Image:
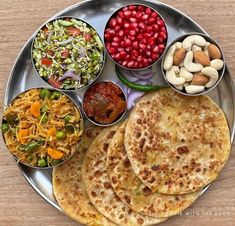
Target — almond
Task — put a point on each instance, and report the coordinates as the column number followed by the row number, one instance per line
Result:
column 214, row 52
column 201, row 58
column 199, row 79
column 179, row 56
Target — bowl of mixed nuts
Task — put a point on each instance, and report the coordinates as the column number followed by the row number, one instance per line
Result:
column 193, row 64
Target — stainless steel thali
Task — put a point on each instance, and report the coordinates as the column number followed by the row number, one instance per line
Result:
column 23, row 75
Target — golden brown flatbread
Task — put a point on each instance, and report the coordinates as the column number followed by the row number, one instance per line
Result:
column 69, row 188
column 132, row 191
column 99, row 188
column 176, row 144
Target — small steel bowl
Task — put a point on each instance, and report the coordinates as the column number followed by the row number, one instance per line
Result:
column 81, row 124
column 143, row 68
column 100, row 124
column 33, row 62
column 180, row 39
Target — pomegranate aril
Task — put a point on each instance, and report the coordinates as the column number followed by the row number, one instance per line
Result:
column 124, row 8
column 121, row 14
column 133, row 20
column 113, row 23
column 154, row 15
column 108, row 45
column 123, row 54
column 128, row 49
column 133, row 25
column 119, row 20
column 128, row 57
column 145, row 62
column 132, row 38
column 160, row 40
column 144, row 41
column 126, row 25
column 117, row 28
column 155, row 36
column 142, row 25
column 140, row 65
column 148, row 11
column 107, row 36
column 116, row 39
column 142, row 46
column 156, row 49
column 155, row 27
column 123, row 44
column 138, row 15
column 141, row 8
column 130, row 64
column 124, row 64
column 135, row 45
column 160, row 23
column 135, row 65
column 147, row 35
column 132, row 32
column 163, row 29
column 134, row 53
column 117, row 56
column 126, row 31
column 134, row 13
column 120, row 49
column 139, row 58
column 127, row 14
column 149, row 29
column 149, row 47
column 151, row 41
column 155, row 56
column 115, row 44
column 152, row 20
column 132, row 7
column 140, row 37
column 162, row 35
column 121, row 33
column 161, row 47
column 148, row 53
column 145, row 17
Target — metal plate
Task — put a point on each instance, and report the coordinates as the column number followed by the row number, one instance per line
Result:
column 23, row 75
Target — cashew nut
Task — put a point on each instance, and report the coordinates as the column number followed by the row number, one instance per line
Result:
column 196, row 48
column 172, row 78
column 206, row 49
column 189, row 65
column 192, row 89
column 185, row 74
column 170, row 55
column 212, row 73
column 217, row 64
column 179, row 87
column 193, row 39
column 169, row 58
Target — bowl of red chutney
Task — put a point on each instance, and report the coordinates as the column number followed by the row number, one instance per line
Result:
column 104, row 103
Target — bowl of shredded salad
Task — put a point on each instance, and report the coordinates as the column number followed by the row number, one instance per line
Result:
column 68, row 53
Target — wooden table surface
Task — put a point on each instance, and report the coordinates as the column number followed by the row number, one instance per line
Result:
column 19, row 204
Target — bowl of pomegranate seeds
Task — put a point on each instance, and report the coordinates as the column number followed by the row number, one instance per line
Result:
column 135, row 36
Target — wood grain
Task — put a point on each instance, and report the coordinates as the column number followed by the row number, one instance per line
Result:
column 19, row 204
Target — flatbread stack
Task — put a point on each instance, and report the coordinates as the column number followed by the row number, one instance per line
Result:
column 149, row 167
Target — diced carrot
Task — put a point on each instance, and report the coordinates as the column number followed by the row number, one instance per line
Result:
column 35, row 109
column 73, row 31
column 54, row 153
column 22, row 134
column 52, row 131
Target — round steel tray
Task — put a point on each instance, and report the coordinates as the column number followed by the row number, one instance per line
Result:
column 23, row 75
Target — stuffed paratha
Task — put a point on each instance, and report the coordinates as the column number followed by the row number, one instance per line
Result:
column 176, row 144
column 69, row 189
column 99, row 188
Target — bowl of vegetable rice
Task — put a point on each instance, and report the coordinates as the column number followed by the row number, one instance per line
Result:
column 68, row 53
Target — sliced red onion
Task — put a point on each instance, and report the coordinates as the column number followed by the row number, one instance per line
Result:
column 70, row 74
column 130, row 77
column 132, row 98
column 142, row 76
column 66, row 41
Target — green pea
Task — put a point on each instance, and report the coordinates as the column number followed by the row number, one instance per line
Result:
column 5, row 127
column 42, row 162
column 67, row 118
column 44, row 93
column 44, row 118
column 60, row 134
column 55, row 95
column 30, row 158
column 44, row 109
